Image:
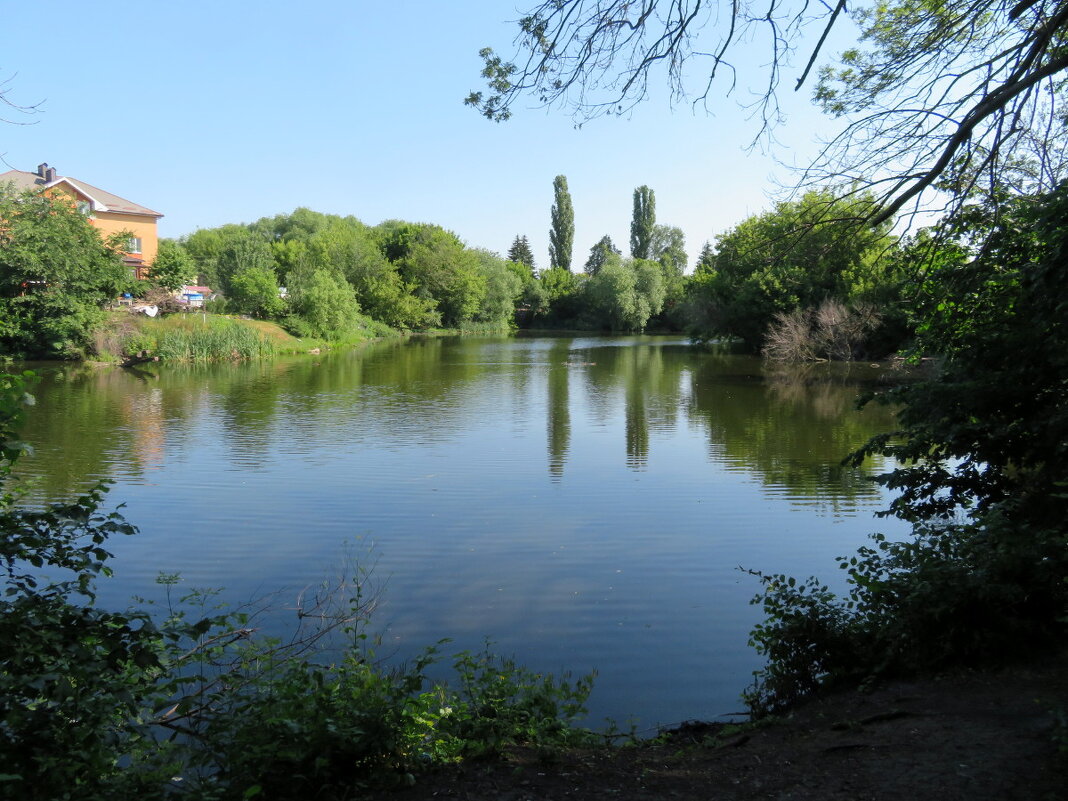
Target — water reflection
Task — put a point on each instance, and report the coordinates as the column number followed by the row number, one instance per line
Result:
column 582, row 500
column 789, row 429
column 558, row 423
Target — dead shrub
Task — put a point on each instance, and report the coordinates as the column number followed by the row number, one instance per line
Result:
column 833, row 331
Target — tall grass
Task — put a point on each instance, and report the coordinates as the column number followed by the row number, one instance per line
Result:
column 202, row 338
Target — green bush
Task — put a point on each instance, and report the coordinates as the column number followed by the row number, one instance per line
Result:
column 139, row 341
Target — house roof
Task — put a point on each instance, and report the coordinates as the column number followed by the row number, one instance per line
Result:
column 101, row 200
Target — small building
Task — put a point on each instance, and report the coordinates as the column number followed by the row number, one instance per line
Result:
column 194, row 295
column 108, row 212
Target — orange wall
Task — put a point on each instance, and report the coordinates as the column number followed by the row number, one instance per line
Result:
column 136, row 224
column 111, row 223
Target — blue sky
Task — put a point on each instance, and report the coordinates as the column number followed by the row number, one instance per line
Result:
column 229, row 111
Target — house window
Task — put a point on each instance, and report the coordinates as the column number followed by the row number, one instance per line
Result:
column 134, row 245
column 85, row 207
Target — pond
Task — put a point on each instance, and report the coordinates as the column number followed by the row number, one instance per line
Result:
column 584, row 502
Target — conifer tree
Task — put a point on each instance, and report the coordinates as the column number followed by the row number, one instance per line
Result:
column 562, row 233
column 520, row 252
column 599, row 253
column 707, row 257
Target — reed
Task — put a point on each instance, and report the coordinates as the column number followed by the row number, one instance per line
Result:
column 203, row 338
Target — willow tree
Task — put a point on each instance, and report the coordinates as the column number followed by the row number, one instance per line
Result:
column 562, row 233
column 957, row 95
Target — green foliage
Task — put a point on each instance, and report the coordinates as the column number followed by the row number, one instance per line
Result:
column 623, row 295
column 56, row 275
column 599, row 254
column 643, row 223
column 221, row 252
column 499, row 703
column 324, row 300
column 520, row 253
column 173, row 267
column 983, row 479
column 401, row 274
column 796, row 256
column 992, row 427
column 347, row 246
column 70, row 674
column 562, row 231
column 668, row 246
column 254, row 291
column 503, row 287
column 435, row 262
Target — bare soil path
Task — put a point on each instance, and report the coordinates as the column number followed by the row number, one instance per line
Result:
column 966, row 737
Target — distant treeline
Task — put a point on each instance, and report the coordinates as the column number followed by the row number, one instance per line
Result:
column 806, row 280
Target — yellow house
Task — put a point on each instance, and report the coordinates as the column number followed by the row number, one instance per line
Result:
column 108, row 212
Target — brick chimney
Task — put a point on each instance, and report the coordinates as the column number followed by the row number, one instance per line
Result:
column 48, row 174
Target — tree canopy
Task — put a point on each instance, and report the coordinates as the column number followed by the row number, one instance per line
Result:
column 599, row 254
column 562, row 232
column 56, row 275
column 520, row 252
column 642, row 223
column 791, row 257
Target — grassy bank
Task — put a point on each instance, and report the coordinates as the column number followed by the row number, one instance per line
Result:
column 211, row 337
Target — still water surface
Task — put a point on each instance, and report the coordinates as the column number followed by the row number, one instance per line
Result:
column 585, row 502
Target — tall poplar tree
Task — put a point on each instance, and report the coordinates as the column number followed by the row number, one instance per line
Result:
column 643, row 223
column 562, row 233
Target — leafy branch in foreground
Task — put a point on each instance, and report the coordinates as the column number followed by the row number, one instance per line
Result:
column 959, row 96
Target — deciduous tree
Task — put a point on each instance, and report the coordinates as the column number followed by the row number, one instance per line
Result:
column 56, row 275
column 642, row 223
column 562, row 232
column 173, row 267
column 795, row 256
column 599, row 254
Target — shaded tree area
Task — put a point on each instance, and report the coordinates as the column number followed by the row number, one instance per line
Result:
column 980, row 446
column 56, row 276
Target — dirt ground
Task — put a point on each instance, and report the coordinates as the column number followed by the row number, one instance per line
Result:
column 974, row 736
